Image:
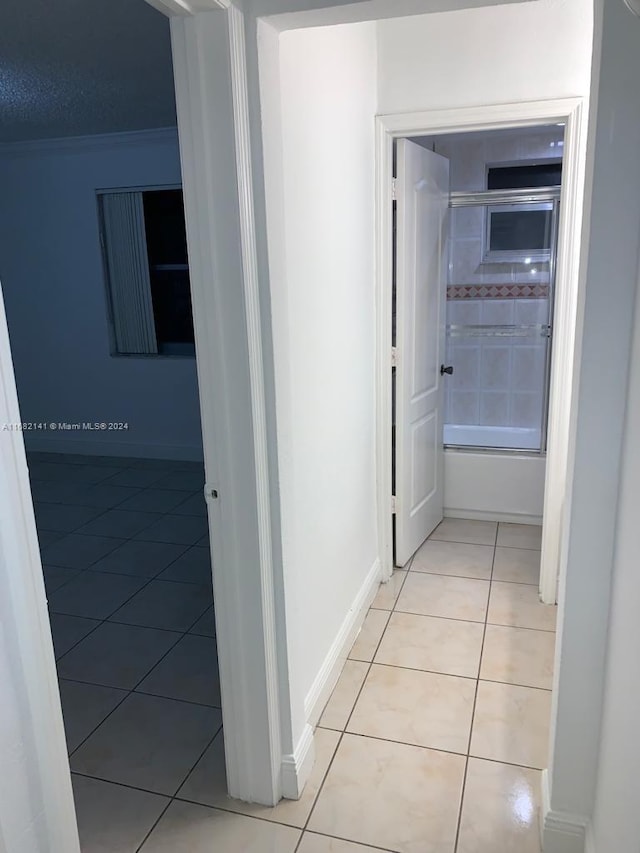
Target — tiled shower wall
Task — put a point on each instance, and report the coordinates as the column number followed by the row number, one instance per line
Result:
column 497, row 381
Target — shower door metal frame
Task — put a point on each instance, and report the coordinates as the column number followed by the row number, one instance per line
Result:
column 532, row 195
column 571, row 113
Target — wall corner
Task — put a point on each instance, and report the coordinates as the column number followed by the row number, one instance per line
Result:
column 297, row 767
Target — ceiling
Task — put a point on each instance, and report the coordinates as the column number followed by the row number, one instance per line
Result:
column 76, row 67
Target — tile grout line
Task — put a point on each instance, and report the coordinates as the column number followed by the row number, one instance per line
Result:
column 134, row 538
column 111, row 613
column 453, row 674
column 473, row 710
column 128, row 693
column 127, row 575
column 123, row 541
column 371, row 663
column 174, row 796
column 107, row 620
column 418, row 572
column 344, row 730
column 477, row 679
column 138, row 683
column 139, row 692
column 118, row 504
column 348, row 841
column 117, row 507
column 77, row 531
column 432, row 749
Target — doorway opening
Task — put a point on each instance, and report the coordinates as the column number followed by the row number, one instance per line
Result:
column 119, row 506
column 475, row 256
column 95, row 279
column 546, row 473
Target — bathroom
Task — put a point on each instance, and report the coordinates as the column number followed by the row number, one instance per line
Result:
column 502, row 235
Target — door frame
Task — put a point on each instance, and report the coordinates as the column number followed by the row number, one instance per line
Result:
column 571, row 112
column 26, row 634
column 210, row 77
column 262, row 766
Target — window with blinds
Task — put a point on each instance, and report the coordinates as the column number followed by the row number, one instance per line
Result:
column 147, row 272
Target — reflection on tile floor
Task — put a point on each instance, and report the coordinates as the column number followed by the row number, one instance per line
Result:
column 444, row 704
column 432, row 741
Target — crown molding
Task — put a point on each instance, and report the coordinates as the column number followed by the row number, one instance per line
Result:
column 91, row 142
column 186, row 8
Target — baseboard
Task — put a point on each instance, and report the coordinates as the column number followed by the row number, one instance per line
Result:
column 59, row 443
column 481, row 515
column 589, row 841
column 562, row 832
column 545, row 801
column 326, row 679
column 297, row 767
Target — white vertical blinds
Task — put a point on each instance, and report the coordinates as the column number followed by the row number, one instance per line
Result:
column 128, row 272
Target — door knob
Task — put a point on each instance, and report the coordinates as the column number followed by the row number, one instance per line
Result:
column 448, row 369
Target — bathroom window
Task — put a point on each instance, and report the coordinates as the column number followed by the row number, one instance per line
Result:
column 514, row 231
column 524, row 176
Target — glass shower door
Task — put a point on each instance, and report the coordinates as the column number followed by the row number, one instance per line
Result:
column 498, row 336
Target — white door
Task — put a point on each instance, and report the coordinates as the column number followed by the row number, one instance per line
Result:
column 422, row 192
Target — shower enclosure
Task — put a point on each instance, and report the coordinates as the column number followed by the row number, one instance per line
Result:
column 502, row 259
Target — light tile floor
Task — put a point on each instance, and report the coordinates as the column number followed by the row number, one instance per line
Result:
column 415, row 752
column 432, row 741
column 443, row 706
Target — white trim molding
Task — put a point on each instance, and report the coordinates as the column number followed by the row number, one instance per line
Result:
column 562, row 832
column 185, row 8
column 297, row 767
column 329, row 672
column 36, row 808
column 209, row 62
column 565, row 325
column 568, row 111
column 481, row 515
column 238, row 57
column 93, row 142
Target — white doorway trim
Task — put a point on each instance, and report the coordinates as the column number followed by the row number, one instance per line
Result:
column 260, row 768
column 490, row 117
column 40, row 810
column 211, row 95
column 36, row 806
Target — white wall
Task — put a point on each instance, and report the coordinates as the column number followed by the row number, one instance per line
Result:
column 616, row 819
column 501, row 54
column 601, row 542
column 52, row 274
column 319, row 158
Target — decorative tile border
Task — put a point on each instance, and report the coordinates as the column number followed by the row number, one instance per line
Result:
column 498, row 291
